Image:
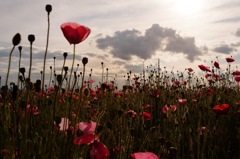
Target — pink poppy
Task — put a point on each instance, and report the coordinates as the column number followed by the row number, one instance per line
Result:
column 230, row 59
column 131, row 113
column 75, row 33
column 87, row 127
column 182, row 101
column 165, row 109
column 88, row 135
column 99, row 151
column 144, row 155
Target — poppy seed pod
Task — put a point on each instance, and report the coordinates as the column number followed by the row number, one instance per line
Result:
column 48, row 8
column 85, row 61
column 31, row 38
column 22, row 70
column 16, row 39
column 20, row 48
column 65, row 68
column 65, row 55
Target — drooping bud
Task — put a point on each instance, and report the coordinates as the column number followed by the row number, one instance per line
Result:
column 16, row 39
column 31, row 38
column 85, row 61
column 48, row 8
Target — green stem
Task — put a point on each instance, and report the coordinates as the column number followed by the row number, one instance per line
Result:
column 69, row 82
column 45, row 55
column 9, row 65
column 30, row 65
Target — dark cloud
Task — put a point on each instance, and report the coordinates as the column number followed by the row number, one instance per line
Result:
column 228, row 20
column 128, row 43
column 237, row 33
column 235, row 44
column 224, row 48
column 37, row 53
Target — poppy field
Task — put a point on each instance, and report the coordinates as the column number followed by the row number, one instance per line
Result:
column 156, row 115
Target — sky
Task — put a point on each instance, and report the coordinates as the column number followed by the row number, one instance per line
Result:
column 126, row 35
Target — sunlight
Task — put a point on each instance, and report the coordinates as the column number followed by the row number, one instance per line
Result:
column 188, row 7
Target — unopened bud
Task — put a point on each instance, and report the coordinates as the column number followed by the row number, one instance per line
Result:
column 85, row 61
column 48, row 8
column 31, row 38
column 16, row 39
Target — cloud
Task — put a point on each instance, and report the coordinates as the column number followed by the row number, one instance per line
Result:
column 237, row 33
column 224, row 48
column 228, row 20
column 128, row 43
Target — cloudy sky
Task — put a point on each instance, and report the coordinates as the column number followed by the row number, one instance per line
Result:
column 124, row 34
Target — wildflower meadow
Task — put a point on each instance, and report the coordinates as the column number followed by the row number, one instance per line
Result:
column 155, row 115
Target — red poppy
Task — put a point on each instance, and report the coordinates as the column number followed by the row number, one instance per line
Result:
column 75, row 33
column 182, row 101
column 85, row 139
column 88, row 135
column 230, row 59
column 146, row 115
column 99, row 151
column 237, row 79
column 144, row 155
column 236, row 73
column 216, row 64
column 204, row 68
column 190, row 69
column 221, row 109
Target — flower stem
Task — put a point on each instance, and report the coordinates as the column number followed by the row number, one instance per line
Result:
column 9, row 65
column 69, row 82
column 45, row 55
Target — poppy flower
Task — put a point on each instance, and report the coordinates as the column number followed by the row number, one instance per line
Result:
column 88, row 136
column 99, row 151
column 221, row 109
column 75, row 33
column 237, row 79
column 236, row 73
column 146, row 115
column 216, row 64
column 182, row 101
column 165, row 109
column 204, row 68
column 190, row 69
column 230, row 59
column 144, row 155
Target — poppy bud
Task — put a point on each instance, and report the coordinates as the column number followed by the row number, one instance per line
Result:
column 31, row 38
column 22, row 70
column 48, row 8
column 20, row 48
column 59, row 78
column 85, row 61
column 16, row 39
column 65, row 68
column 65, row 55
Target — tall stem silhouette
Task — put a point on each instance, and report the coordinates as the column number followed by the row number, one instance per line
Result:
column 9, row 64
column 45, row 55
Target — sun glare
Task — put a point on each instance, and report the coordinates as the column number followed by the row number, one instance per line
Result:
column 187, row 7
